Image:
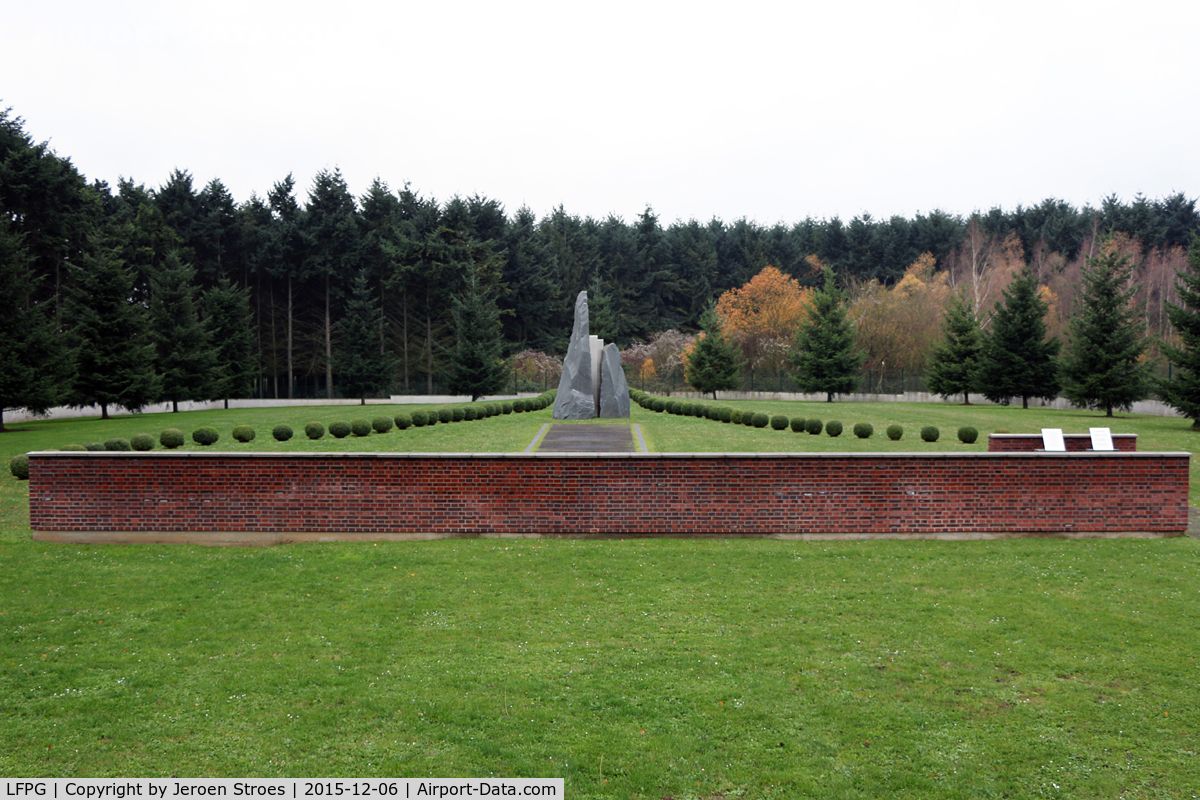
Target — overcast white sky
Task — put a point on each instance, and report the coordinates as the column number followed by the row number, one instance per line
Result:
column 771, row 111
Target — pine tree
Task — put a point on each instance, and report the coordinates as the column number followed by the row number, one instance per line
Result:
column 954, row 364
column 1103, row 364
column 36, row 362
column 115, row 361
column 1182, row 392
column 477, row 368
column 229, row 321
column 713, row 364
column 362, row 366
column 184, row 353
column 825, row 356
column 1018, row 359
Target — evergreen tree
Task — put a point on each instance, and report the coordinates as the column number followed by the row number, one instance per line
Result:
column 362, row 367
column 825, row 356
column 36, row 362
column 229, row 321
column 1182, row 392
column 1103, row 364
column 713, row 365
column 331, row 239
column 115, row 361
column 185, row 356
column 1018, row 359
column 954, row 364
column 477, row 368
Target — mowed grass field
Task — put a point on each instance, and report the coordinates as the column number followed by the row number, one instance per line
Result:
column 633, row 669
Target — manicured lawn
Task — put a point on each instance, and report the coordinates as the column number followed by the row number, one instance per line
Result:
column 650, row 669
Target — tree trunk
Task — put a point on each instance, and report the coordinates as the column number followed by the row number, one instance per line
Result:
column 328, row 346
column 289, row 340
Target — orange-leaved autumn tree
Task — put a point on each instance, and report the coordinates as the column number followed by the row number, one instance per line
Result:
column 761, row 317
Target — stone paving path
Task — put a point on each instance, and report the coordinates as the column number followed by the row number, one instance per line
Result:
column 589, row 439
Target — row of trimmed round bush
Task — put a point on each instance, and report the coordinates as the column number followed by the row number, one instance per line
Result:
column 779, row 422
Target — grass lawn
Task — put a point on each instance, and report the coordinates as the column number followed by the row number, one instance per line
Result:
column 649, row 669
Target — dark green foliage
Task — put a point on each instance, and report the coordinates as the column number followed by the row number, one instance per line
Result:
column 735, row 416
column 726, row 414
column 518, row 406
column 404, row 421
column 445, row 415
column 230, row 322
column 470, row 413
column 118, row 445
column 798, row 424
column 19, row 467
column 420, row 419
column 825, row 355
column 1182, row 392
column 171, row 438
column 314, row 430
column 142, row 442
column 95, row 447
column 760, row 420
column 382, row 424
column 74, row 448
column 967, row 434
column 1018, row 360
column 659, row 405
column 1103, row 364
column 432, row 417
column 748, row 419
column 864, row 430
column 894, row 432
column 243, row 433
column 833, row 428
column 813, row 426
column 458, row 413
column 205, row 435
column 779, row 422
column 283, row 433
column 339, row 429
column 360, row 426
column 506, row 407
column 713, row 365
column 363, row 364
column 477, row 365
column 494, row 409
column 930, row 433
column 184, row 355
column 954, row 364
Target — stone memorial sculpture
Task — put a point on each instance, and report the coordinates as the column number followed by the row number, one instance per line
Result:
column 593, row 383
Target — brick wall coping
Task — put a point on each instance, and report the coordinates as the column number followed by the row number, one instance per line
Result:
column 940, row 454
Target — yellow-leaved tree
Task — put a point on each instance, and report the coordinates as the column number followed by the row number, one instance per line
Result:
column 761, row 317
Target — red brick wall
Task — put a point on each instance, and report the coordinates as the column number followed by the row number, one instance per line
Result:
column 1075, row 442
column 751, row 494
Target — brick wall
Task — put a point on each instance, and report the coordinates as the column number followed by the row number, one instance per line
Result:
column 738, row 494
column 1075, row 442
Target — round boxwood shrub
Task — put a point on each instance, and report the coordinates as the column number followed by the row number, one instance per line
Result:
column 863, row 430
column 779, row 422
column 833, row 427
column 760, row 420
column 967, row 434
column 403, row 421
column 419, row 419
column 360, row 427
column 726, row 414
column 339, row 429
column 243, row 433
column 19, row 467
column 282, row 433
column 75, row 448
column 445, row 415
column 813, row 426
column 382, row 424
column 470, row 413
column 894, row 432
column 930, row 434
column 142, row 442
column 735, row 416
column 205, row 435
column 506, row 407
column 459, row 413
column 171, row 438
column 117, row 445
column 95, row 447
column 748, row 418
column 798, row 424
column 660, row 404
column 314, row 430
column 432, row 418
column 519, row 406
